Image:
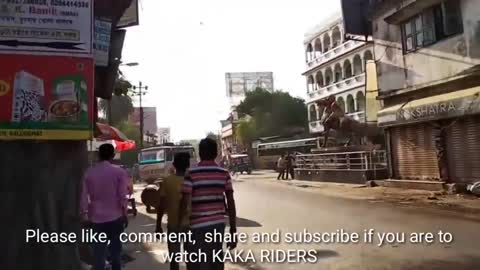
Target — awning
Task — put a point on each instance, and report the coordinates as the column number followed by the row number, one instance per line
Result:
column 106, row 132
column 450, row 105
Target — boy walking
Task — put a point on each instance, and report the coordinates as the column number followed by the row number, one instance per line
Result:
column 205, row 189
column 170, row 196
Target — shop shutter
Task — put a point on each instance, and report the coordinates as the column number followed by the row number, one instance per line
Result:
column 463, row 150
column 413, row 152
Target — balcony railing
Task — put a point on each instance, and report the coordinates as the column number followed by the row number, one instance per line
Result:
column 316, row 127
column 350, row 161
column 334, row 52
column 336, row 88
column 359, row 116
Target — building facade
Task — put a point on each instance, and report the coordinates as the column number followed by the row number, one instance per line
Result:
column 335, row 66
column 164, row 135
column 238, row 84
column 428, row 56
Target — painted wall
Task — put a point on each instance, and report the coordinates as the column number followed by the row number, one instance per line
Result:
column 441, row 60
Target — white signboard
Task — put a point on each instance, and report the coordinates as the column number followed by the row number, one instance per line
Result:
column 57, row 27
column 101, row 44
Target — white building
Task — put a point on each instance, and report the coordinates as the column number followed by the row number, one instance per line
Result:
column 335, row 66
column 163, row 135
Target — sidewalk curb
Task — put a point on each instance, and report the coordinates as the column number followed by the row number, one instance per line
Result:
column 446, row 208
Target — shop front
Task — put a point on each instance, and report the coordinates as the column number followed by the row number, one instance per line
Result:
column 435, row 139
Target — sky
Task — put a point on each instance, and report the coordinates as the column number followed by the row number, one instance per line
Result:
column 185, row 47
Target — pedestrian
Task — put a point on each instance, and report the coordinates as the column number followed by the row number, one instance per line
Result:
column 281, row 167
column 170, row 196
column 205, row 188
column 104, row 205
column 290, row 160
column 131, row 191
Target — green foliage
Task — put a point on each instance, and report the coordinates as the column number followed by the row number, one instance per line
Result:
column 272, row 113
column 246, row 131
column 121, row 104
column 130, row 130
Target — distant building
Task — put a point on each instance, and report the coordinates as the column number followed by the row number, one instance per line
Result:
column 163, row 135
column 149, row 119
column 238, row 84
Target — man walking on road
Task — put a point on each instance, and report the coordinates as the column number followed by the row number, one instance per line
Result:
column 281, row 167
column 290, row 160
column 104, row 205
column 205, row 188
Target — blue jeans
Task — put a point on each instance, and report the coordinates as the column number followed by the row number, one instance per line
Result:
column 208, row 248
column 112, row 229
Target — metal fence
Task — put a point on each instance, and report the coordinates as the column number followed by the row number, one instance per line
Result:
column 347, row 161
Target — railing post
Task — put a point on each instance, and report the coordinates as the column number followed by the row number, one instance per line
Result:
column 348, row 161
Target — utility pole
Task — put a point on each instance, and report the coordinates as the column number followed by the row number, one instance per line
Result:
column 140, row 93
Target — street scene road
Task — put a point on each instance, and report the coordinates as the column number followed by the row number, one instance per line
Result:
column 267, row 206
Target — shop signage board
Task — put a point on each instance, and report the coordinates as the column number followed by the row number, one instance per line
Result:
column 101, row 43
column 455, row 104
column 54, row 103
column 48, row 27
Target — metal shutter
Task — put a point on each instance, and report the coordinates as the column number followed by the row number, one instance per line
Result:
column 413, row 153
column 463, row 150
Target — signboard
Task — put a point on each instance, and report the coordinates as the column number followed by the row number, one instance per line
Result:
column 130, row 17
column 450, row 105
column 61, row 27
column 101, row 43
column 40, row 103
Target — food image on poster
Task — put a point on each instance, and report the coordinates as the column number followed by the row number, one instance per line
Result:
column 69, row 97
column 29, row 94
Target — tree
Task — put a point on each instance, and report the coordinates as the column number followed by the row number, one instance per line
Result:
column 272, row 113
column 120, row 106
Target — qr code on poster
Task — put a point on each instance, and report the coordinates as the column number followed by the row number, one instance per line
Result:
column 28, row 103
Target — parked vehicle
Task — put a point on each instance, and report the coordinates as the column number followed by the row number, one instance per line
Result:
column 155, row 163
column 240, row 164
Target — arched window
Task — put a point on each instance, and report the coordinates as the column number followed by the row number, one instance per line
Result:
column 350, row 104
column 341, row 103
column 347, row 67
column 313, row 113
column 361, row 102
column 319, row 80
column 336, row 37
column 357, row 65
column 327, row 45
column 309, row 53
column 311, row 84
column 318, row 48
column 328, row 76
column 367, row 56
column 338, row 73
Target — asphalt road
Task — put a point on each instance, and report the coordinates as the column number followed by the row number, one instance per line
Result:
column 266, row 207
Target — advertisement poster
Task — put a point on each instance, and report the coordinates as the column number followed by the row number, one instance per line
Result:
column 101, row 43
column 60, row 27
column 54, row 103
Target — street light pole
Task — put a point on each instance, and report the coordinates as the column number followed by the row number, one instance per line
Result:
column 140, row 93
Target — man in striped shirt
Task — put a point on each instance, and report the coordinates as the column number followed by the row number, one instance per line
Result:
column 205, row 188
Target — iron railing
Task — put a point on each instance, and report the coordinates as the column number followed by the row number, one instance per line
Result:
column 347, row 161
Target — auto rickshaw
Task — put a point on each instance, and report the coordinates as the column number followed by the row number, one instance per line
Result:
column 240, row 164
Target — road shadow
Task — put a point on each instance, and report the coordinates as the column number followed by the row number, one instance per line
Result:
column 461, row 263
column 245, row 223
column 325, row 254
